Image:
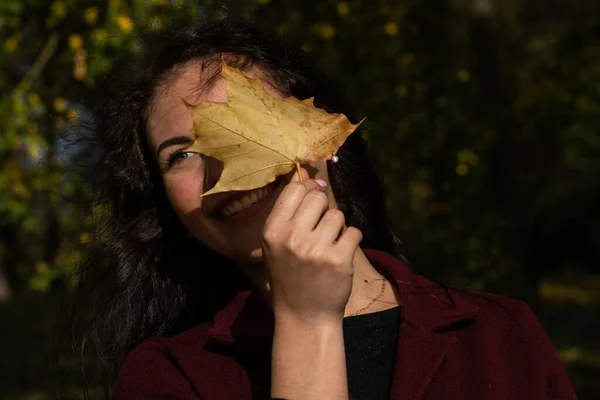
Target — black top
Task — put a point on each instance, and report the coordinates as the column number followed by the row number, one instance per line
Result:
column 370, row 341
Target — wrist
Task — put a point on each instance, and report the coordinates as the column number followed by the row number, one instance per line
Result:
column 312, row 322
column 308, row 359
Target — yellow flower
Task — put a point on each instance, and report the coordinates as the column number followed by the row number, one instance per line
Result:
column 564, row 293
column 75, row 42
column 571, row 354
column 391, row 29
column 401, row 90
column 33, row 99
column 581, row 103
column 60, row 104
column 98, row 35
column 407, row 59
column 80, row 66
column 19, row 189
column 15, row 143
column 34, row 150
column 343, row 8
column 41, row 266
column 11, row 44
column 32, row 128
column 462, row 156
column 14, row 207
column 79, row 72
column 462, row 169
column 91, row 15
column 125, row 23
column 72, row 115
column 85, row 238
column 467, row 157
column 37, row 184
column 156, row 23
column 60, row 123
column 474, row 159
column 463, row 75
column 59, row 8
column 419, row 190
column 326, row 31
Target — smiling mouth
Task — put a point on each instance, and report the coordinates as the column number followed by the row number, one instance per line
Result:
column 246, row 201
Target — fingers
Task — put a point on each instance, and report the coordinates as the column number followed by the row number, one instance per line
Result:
column 330, row 226
column 299, row 177
column 309, row 211
column 350, row 239
column 292, row 196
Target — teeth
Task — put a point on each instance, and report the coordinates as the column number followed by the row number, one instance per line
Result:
column 229, row 210
column 241, row 204
column 238, row 206
column 246, row 201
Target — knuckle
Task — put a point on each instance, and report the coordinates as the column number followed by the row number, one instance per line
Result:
column 294, row 189
column 334, row 259
column 292, row 243
column 297, row 188
column 270, row 235
column 336, row 215
column 318, row 196
column 355, row 231
column 337, row 260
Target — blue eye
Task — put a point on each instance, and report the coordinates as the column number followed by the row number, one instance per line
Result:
column 178, row 157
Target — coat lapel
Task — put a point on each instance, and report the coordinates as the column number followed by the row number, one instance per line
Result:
column 420, row 354
column 428, row 310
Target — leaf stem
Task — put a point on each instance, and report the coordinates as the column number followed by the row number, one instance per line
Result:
column 298, row 169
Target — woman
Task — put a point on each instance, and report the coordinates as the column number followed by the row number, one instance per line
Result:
column 296, row 296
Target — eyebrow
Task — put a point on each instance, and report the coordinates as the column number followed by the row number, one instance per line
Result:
column 173, row 141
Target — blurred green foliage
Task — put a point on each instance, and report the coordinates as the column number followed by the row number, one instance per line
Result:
column 482, row 121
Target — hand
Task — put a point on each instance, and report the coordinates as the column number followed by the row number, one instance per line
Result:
column 310, row 266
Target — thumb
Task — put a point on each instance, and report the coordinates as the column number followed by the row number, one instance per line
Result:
column 302, row 177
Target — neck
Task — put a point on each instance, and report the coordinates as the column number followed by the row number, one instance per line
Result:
column 366, row 286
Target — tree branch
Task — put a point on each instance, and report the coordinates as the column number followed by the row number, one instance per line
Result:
column 38, row 66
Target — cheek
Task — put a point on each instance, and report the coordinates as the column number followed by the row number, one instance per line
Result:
column 321, row 173
column 321, row 170
column 184, row 193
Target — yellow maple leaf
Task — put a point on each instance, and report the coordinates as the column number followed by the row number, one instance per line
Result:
column 259, row 137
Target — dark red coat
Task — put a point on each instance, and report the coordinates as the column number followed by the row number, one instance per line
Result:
column 452, row 345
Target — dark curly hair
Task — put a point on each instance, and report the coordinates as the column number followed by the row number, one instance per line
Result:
column 135, row 281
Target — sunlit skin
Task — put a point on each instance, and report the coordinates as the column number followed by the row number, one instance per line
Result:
column 188, row 175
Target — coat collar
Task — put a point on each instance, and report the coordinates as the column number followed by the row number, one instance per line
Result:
column 428, row 313
column 247, row 320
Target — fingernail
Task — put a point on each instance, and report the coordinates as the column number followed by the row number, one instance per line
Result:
column 321, row 183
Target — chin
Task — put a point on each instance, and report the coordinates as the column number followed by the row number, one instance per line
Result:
column 246, row 239
column 251, row 254
column 245, row 251
column 241, row 234
column 255, row 255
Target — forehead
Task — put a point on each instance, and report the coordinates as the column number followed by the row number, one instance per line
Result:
column 167, row 114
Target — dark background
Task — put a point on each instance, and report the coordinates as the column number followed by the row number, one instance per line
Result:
column 482, row 120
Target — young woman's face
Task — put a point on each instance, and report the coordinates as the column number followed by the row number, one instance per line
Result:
column 188, row 175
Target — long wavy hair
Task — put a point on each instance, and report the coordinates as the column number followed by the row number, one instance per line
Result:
column 136, row 281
